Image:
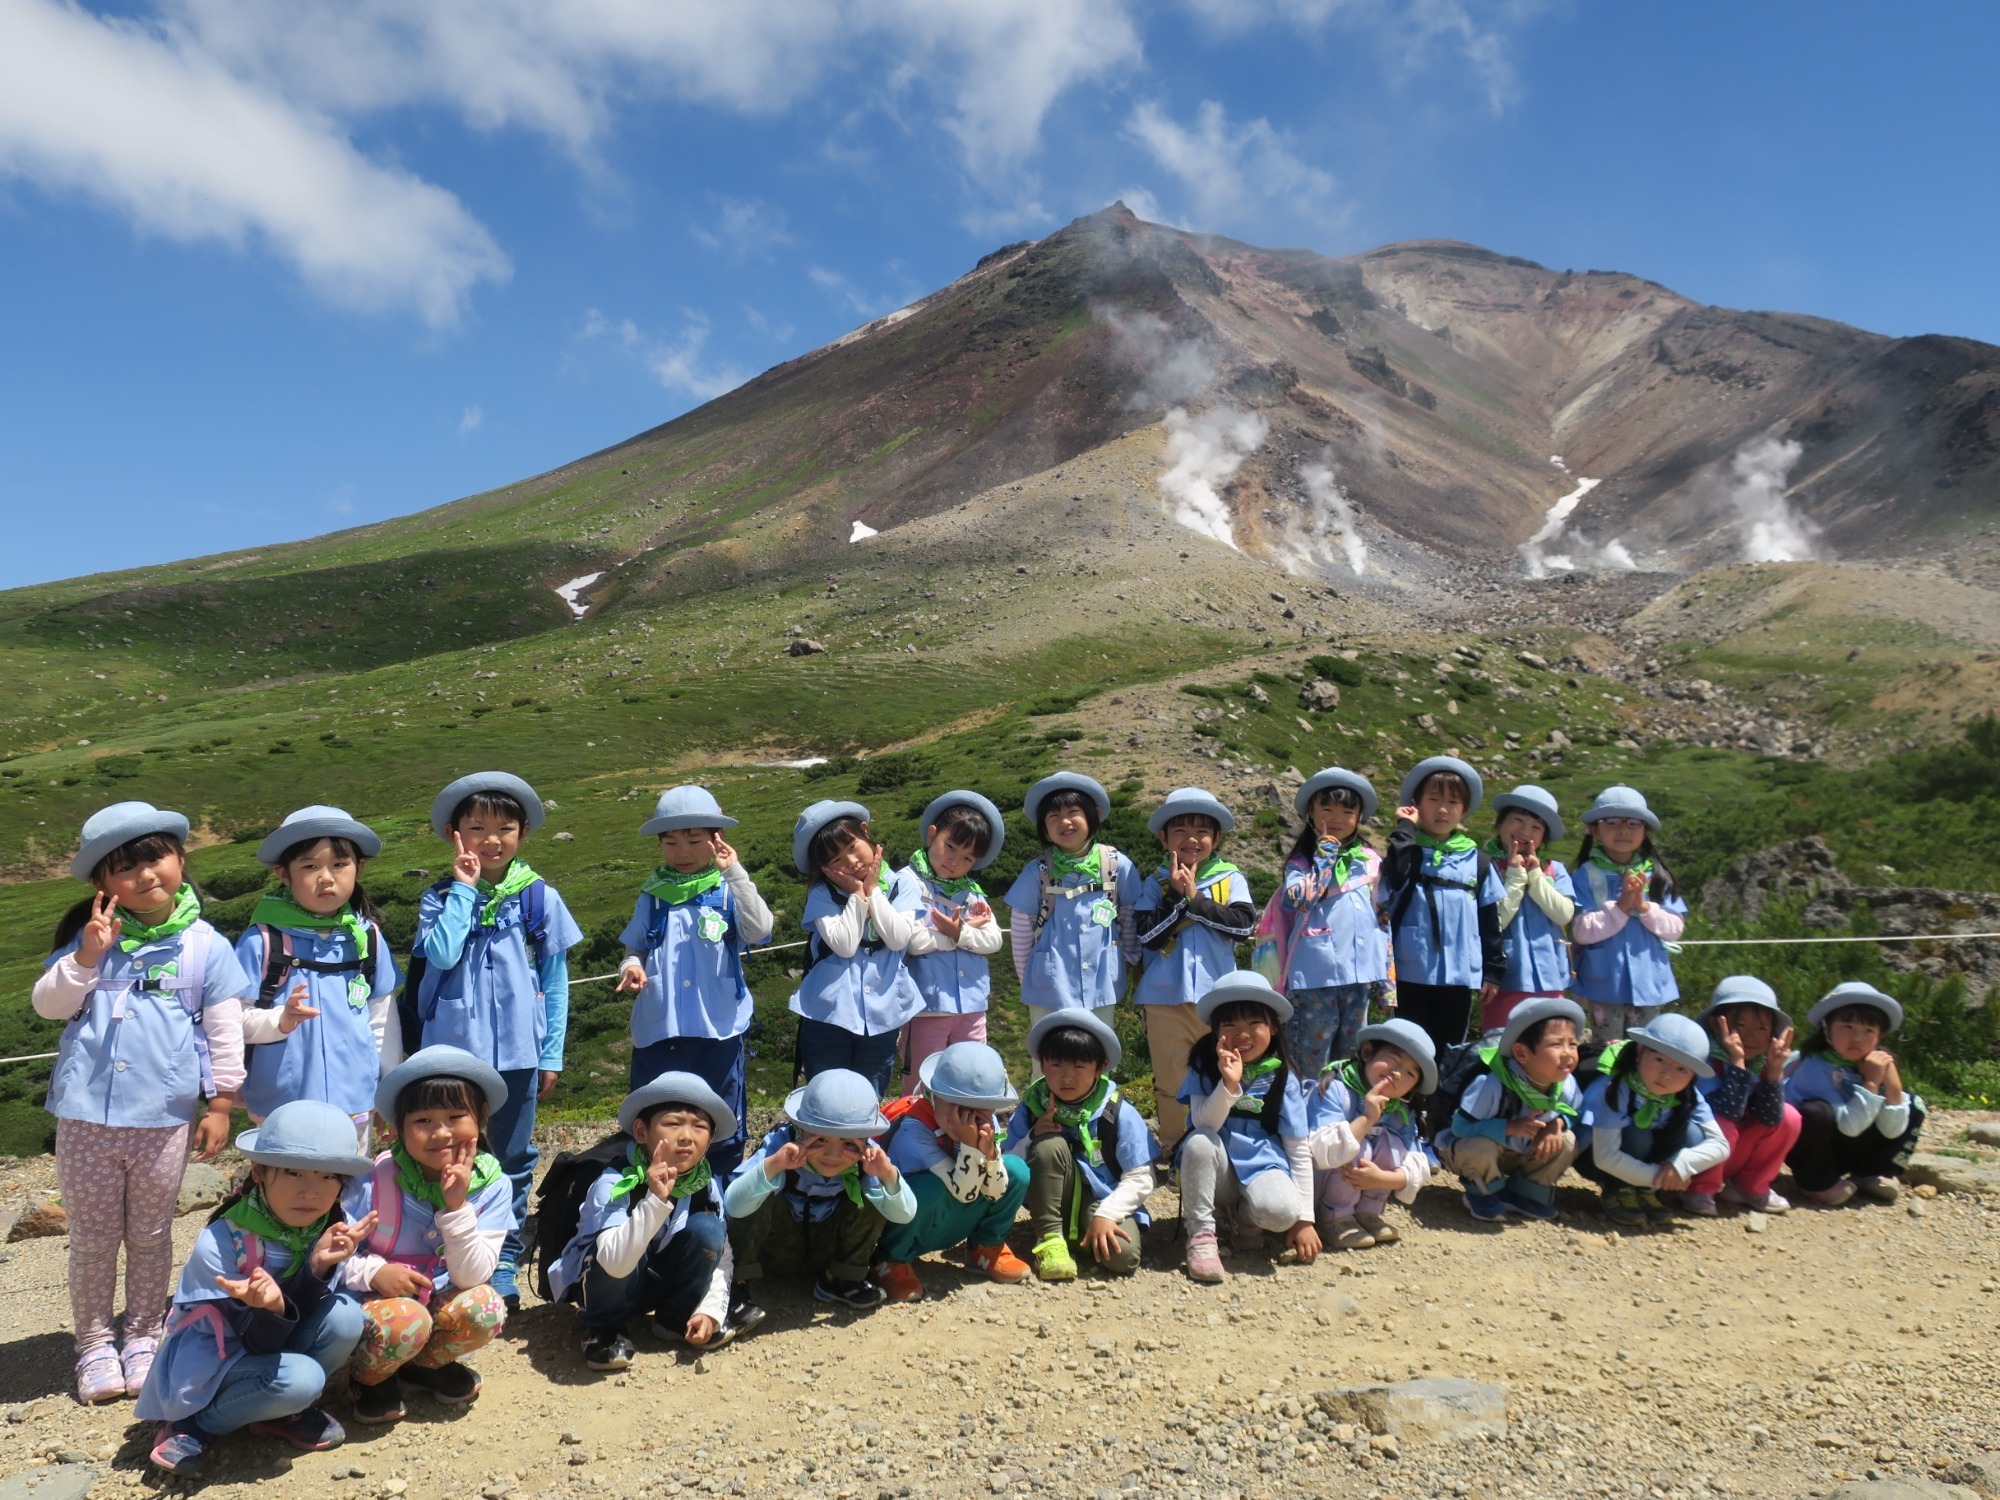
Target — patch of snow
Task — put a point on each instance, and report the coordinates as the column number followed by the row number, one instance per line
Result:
column 1532, row 554
column 568, row 593
column 1557, row 460
column 795, row 765
column 862, row 531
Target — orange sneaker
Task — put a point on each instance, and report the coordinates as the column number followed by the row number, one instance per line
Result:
column 996, row 1261
column 899, row 1279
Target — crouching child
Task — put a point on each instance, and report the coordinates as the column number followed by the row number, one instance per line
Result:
column 1651, row 1130
column 1513, row 1132
column 1858, row 1126
column 1365, row 1138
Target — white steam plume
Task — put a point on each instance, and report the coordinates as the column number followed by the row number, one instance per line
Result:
column 1772, row 531
column 1333, row 512
column 1171, row 369
column 1534, row 551
column 1203, row 455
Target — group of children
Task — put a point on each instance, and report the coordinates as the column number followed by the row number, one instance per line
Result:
column 1280, row 1109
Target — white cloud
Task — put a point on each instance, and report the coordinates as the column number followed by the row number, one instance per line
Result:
column 675, row 363
column 473, row 418
column 744, row 226
column 150, row 125
column 1234, row 174
column 856, row 300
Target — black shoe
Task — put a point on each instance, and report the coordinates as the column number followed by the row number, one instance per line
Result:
column 744, row 1315
column 453, row 1384
column 379, row 1404
column 859, row 1295
column 607, row 1349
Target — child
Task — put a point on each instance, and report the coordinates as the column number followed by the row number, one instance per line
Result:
column 153, row 997
column 817, row 1195
column 962, row 834
column 1622, row 966
column 442, row 1211
column 1248, row 1147
column 318, row 941
column 1447, row 944
column 1089, row 1154
column 258, row 1327
column 946, row 1144
column 1364, row 1136
column 1071, row 910
column 1537, row 904
column 1857, row 1127
column 1651, row 1130
column 1192, row 913
column 1512, row 1134
column 1339, row 955
column 684, row 958
column 651, row 1235
column 493, row 941
column 1752, row 1043
column 857, row 993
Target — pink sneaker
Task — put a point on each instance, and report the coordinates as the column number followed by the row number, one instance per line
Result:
column 99, row 1376
column 1834, row 1196
column 137, row 1358
column 1765, row 1202
column 1204, row 1261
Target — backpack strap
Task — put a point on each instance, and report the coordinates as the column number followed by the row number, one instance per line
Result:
column 193, row 984
column 272, row 978
column 1106, row 882
column 535, row 918
column 1274, row 1101
column 388, row 1206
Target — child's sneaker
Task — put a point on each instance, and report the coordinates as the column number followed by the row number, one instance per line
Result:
column 1053, row 1262
column 1881, row 1189
column 309, row 1431
column 1204, row 1261
column 504, row 1282
column 859, row 1295
column 1833, row 1197
column 607, row 1349
column 1244, row 1235
column 996, row 1261
column 453, row 1384
column 1529, row 1199
column 1622, row 1207
column 180, row 1451
column 1345, row 1234
column 1765, row 1202
column 1702, row 1205
column 1656, row 1211
column 744, row 1315
column 379, row 1404
column 99, row 1376
column 898, row 1278
column 1488, row 1208
column 1385, row 1233
column 137, row 1361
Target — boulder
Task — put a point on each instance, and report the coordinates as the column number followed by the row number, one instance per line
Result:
column 40, row 1221
column 1803, row 867
column 64, row 1481
column 1901, row 1489
column 1320, row 696
column 202, row 1186
column 1952, row 1174
column 805, row 645
column 1416, row 1409
column 1984, row 1132
column 1532, row 659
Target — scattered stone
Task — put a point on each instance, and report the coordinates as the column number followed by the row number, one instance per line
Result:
column 65, row 1483
column 1984, row 1133
column 41, row 1221
column 805, row 645
column 1901, row 1489
column 1320, row 696
column 564, row 837
column 1948, row 1174
column 1421, row 1408
column 1532, row 659
column 1755, row 1222
column 202, row 1186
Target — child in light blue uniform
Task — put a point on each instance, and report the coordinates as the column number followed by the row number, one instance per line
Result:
column 1512, row 1136
column 320, row 1028
column 1365, row 1138
column 857, row 993
column 1858, row 1126
column 962, row 835
column 1336, row 956
column 684, row 958
column 1627, row 910
column 259, row 1325
column 1535, row 910
column 1072, row 909
column 1651, row 1130
column 494, row 940
column 153, row 1000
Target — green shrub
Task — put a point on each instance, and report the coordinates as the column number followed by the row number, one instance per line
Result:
column 1339, row 669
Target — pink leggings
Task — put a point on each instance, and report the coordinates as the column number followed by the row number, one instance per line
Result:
column 119, row 1185
column 1756, row 1153
column 933, row 1031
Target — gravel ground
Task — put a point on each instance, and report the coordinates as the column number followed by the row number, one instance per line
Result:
column 1710, row 1359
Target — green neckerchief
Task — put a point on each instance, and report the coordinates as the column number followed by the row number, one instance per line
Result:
column 1077, row 1116
column 1263, row 1067
column 252, row 1214
column 1457, row 843
column 637, row 1163
column 1349, row 1073
column 1719, row 1053
column 1344, row 851
column 1521, row 1087
column 1835, row 1061
column 1647, row 1106
column 517, row 879
column 677, row 889
column 280, row 908
column 187, row 910
column 1086, row 863
column 1640, row 866
column 410, row 1177
column 964, row 885
column 1212, row 869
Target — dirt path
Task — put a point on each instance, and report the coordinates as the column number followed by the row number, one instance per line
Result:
column 1707, row 1360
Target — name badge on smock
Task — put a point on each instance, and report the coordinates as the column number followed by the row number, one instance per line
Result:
column 1104, row 913
column 712, row 926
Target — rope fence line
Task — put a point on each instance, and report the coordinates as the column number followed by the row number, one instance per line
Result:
column 1911, row 937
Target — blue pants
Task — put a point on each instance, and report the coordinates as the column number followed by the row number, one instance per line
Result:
column 942, row 1222
column 823, row 1046
column 719, row 1062
column 670, row 1282
column 510, row 1132
column 264, row 1387
column 1325, row 1022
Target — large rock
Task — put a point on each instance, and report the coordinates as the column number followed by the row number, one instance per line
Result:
column 60, row 1482
column 1803, row 867
column 805, row 645
column 1901, row 1489
column 1952, row 1174
column 40, row 1222
column 1984, row 1132
column 1320, row 696
column 1414, row 1409
column 202, row 1186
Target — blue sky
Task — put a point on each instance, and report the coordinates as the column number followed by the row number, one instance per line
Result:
column 266, row 271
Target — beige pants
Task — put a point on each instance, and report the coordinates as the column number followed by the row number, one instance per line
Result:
column 1480, row 1162
column 1171, row 1032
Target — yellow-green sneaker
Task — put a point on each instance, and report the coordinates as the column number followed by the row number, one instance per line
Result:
column 1053, row 1262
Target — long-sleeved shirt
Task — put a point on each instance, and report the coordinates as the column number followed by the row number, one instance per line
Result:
column 1620, row 961
column 1608, row 1114
column 689, row 960
column 1215, row 1110
column 1444, row 919
column 1738, row 1092
column 1080, row 955
column 466, row 1239
column 1535, row 906
column 856, row 984
column 1336, row 938
column 510, row 1010
column 1856, row 1107
column 1335, row 1113
column 752, row 1185
column 1188, row 943
column 623, row 1231
column 1121, row 1186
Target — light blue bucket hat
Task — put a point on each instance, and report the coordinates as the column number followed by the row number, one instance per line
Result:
column 1680, row 1037
column 1536, row 802
column 939, row 806
column 1192, row 801
column 438, row 1062
column 1331, row 778
column 1540, row 1008
column 1856, row 992
column 1083, row 1020
column 307, row 1135
column 971, row 1074
column 1621, row 802
column 1242, row 984
column 678, row 1088
column 812, row 820
column 1474, row 786
column 120, row 823
column 686, row 807
column 1743, row 989
column 838, row 1103
column 1064, row 781
column 485, row 781
column 318, row 822
column 1405, row 1036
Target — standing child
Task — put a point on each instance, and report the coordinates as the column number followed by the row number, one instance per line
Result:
column 1628, row 909
column 1089, row 1153
column 1513, row 1131
column 1072, row 907
column 651, row 1236
column 1443, row 900
column 1365, row 1137
column 684, row 958
column 962, row 835
column 1857, row 1126
column 1339, row 956
column 1651, row 1130
column 494, row 942
column 153, row 997
column 442, row 1209
column 857, row 993
column 258, row 1327
column 816, row 1197
column 1538, row 902
column 1248, row 1150
column 317, row 943
column 1192, row 913
column 1752, row 1043
column 945, row 1142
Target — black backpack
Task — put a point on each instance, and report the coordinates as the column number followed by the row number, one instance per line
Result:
column 559, row 1203
column 1460, row 1066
